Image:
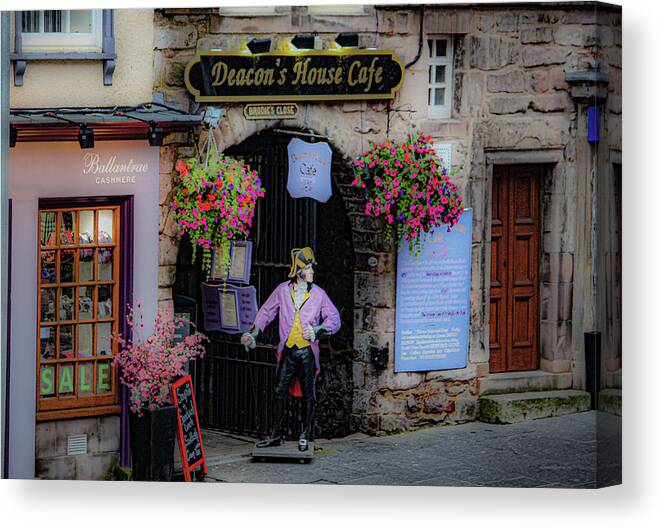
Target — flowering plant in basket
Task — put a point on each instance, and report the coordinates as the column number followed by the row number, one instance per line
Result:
column 215, row 204
column 406, row 184
column 148, row 365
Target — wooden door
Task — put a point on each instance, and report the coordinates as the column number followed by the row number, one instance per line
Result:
column 514, row 299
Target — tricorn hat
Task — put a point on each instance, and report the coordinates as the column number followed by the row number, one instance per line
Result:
column 300, row 257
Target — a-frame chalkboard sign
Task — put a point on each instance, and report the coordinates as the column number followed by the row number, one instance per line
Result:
column 188, row 425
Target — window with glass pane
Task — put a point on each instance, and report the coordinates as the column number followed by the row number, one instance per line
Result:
column 78, row 304
column 62, row 27
column 58, row 21
column 439, row 92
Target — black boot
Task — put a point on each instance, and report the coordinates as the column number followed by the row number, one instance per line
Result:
column 308, row 421
column 303, row 442
column 278, row 419
column 272, row 441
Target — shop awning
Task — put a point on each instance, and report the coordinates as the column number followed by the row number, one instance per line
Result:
column 108, row 123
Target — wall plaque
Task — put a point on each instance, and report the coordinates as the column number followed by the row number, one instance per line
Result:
column 223, row 76
column 433, row 301
column 258, row 111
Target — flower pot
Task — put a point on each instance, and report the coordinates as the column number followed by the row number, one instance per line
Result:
column 152, row 443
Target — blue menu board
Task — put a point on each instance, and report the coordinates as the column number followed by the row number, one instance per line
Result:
column 433, row 301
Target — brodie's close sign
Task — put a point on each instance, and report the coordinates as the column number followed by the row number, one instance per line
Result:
column 218, row 76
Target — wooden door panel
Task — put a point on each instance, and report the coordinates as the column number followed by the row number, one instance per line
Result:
column 498, row 302
column 496, row 345
column 522, row 261
column 498, row 257
column 514, row 304
column 523, row 332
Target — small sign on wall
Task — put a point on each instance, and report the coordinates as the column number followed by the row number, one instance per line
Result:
column 444, row 152
column 270, row 111
column 309, row 170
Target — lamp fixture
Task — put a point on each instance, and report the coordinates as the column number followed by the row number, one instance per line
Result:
column 304, row 42
column 85, row 134
column 154, row 135
column 347, row 40
column 257, row 46
column 85, row 137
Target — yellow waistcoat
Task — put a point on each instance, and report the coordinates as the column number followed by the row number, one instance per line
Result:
column 296, row 338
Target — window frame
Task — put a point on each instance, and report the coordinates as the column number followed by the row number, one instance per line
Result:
column 107, row 55
column 337, row 10
column 44, row 41
column 60, row 407
column 440, row 111
column 250, row 11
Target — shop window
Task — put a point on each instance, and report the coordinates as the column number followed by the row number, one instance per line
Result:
column 78, row 308
column 439, row 95
column 62, row 29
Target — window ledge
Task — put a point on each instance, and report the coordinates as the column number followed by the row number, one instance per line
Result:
column 62, row 55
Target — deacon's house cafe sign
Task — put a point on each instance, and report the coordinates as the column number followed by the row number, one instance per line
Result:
column 222, row 76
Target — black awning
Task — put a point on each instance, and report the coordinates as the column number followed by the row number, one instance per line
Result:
column 63, row 124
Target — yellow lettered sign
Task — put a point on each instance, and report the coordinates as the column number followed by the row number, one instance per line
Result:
column 65, row 385
column 84, row 378
column 103, row 378
column 47, row 381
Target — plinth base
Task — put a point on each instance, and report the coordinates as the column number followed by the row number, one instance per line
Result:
column 285, row 451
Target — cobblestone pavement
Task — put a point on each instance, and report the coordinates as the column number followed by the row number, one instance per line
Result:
column 555, row 452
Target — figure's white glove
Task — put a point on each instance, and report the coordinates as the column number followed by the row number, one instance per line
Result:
column 309, row 333
column 249, row 339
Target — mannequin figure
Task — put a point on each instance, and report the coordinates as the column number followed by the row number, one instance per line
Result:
column 306, row 314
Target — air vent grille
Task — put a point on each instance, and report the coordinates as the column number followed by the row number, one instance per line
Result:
column 77, row 444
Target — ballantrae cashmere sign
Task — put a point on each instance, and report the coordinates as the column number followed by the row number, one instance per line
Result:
column 220, row 76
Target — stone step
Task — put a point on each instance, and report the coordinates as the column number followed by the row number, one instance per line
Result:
column 610, row 401
column 507, row 382
column 526, row 406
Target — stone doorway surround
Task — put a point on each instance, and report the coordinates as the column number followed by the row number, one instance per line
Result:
column 558, row 225
column 373, row 303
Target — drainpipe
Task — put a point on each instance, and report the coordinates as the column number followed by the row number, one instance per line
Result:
column 4, row 231
column 588, row 89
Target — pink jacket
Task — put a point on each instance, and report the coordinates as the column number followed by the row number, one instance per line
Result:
column 317, row 309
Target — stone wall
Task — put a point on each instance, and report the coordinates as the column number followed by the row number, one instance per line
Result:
column 52, row 461
column 512, row 104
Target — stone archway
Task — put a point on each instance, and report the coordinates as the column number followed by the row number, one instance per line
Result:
column 277, row 221
column 349, row 129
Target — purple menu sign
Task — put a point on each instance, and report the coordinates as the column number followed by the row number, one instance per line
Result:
column 433, row 301
column 228, row 308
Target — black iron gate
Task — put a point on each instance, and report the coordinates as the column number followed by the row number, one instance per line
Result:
column 235, row 388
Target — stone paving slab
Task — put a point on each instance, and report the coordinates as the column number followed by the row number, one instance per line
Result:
column 560, row 452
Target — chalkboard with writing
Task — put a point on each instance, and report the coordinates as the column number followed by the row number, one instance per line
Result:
column 433, row 301
column 190, row 437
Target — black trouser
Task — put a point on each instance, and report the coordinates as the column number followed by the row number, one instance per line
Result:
column 295, row 362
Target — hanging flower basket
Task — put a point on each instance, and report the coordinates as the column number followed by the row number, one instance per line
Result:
column 406, row 185
column 214, row 204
